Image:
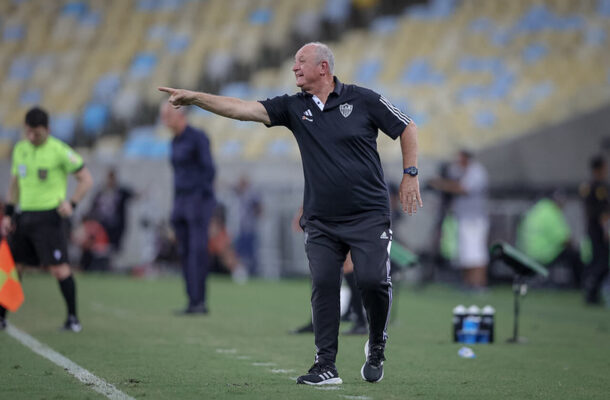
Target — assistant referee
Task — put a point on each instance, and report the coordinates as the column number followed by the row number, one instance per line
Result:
column 37, row 235
column 346, row 202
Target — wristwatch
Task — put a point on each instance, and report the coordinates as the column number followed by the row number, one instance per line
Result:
column 413, row 171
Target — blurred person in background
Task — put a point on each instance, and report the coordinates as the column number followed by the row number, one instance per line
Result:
column 92, row 239
column 109, row 208
column 468, row 184
column 346, row 204
column 443, row 217
column 250, row 210
column 545, row 235
column 595, row 195
column 223, row 257
column 37, row 235
column 194, row 203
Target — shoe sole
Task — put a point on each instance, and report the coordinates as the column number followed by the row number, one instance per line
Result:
column 366, row 355
column 331, row 381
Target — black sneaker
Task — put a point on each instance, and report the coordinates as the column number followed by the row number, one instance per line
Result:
column 199, row 309
column 372, row 370
column 2, row 324
column 72, row 324
column 321, row 375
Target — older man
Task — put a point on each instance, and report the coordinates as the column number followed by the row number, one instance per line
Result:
column 346, row 205
column 194, row 203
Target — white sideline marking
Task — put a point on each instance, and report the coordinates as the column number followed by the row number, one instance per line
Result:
column 356, row 397
column 226, row 351
column 264, row 364
column 243, row 357
column 282, row 371
column 86, row 377
column 327, row 387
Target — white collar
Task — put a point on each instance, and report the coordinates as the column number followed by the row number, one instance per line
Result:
column 318, row 102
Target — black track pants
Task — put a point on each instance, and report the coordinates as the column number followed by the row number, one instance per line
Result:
column 369, row 238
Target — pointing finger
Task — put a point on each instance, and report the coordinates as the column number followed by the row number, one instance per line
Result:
column 166, row 89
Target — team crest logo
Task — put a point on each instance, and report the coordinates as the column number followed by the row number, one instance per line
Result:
column 346, row 109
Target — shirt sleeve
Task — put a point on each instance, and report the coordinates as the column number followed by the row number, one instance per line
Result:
column 387, row 116
column 278, row 110
column 69, row 159
column 203, row 149
column 14, row 169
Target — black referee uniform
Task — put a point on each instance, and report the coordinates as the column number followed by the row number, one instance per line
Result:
column 346, row 202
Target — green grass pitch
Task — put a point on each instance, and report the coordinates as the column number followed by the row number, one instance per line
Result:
column 241, row 350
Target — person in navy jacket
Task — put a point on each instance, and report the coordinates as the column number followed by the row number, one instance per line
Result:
column 194, row 203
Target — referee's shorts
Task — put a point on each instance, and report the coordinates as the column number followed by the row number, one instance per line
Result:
column 40, row 238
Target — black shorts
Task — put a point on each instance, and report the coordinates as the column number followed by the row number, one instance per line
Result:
column 40, row 238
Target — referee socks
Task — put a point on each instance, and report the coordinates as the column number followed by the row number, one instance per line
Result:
column 68, row 290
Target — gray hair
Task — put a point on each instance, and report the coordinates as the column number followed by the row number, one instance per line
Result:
column 324, row 53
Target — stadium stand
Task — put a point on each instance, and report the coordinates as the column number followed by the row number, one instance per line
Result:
column 471, row 73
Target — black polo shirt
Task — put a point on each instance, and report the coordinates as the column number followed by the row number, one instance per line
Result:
column 343, row 174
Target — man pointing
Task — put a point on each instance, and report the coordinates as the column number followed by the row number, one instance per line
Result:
column 345, row 205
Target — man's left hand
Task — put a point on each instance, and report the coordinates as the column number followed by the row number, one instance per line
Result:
column 409, row 194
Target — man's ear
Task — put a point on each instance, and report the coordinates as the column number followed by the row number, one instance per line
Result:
column 324, row 66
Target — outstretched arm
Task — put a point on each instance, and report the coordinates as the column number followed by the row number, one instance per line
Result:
column 229, row 107
column 409, row 187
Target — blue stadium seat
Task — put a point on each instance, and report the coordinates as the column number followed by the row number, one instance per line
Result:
column 30, row 97
column 384, row 25
column 485, row 118
column 420, row 71
column 279, row 147
column 63, row 127
column 261, row 16
column 336, row 11
column 178, row 42
column 94, row 119
column 435, row 9
column 13, row 32
column 368, row 71
column 236, row 89
column 232, row 148
column 74, row 8
column 106, row 88
column 143, row 65
column 534, row 52
column 21, row 68
column 603, row 8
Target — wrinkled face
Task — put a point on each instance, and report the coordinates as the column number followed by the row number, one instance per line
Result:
column 306, row 68
column 37, row 135
column 171, row 118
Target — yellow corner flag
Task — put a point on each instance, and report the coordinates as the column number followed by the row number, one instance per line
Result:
column 11, row 294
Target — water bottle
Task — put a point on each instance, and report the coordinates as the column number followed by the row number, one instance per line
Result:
column 487, row 325
column 459, row 312
column 472, row 321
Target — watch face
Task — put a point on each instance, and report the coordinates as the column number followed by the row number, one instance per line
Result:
column 411, row 171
